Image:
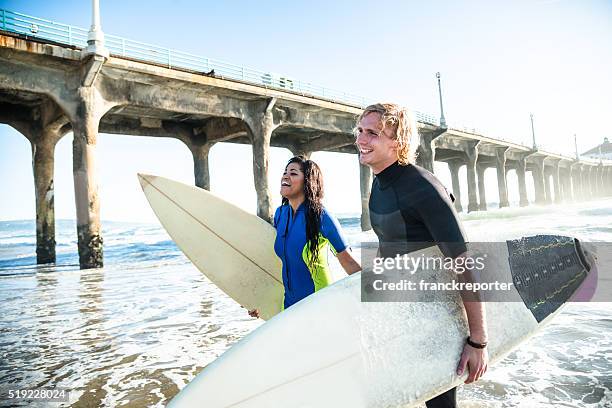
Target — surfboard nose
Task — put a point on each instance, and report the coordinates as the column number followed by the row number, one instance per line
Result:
column 587, row 289
column 547, row 270
column 589, row 251
column 144, row 179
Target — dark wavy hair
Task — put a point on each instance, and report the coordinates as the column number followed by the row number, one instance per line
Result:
column 313, row 192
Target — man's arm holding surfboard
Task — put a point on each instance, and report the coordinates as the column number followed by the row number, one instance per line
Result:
column 442, row 221
column 475, row 358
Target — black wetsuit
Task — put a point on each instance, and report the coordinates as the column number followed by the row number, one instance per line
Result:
column 410, row 209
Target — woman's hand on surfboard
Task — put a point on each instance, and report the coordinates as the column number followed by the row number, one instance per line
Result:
column 254, row 313
column 475, row 360
column 348, row 263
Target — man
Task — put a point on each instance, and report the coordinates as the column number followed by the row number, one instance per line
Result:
column 409, row 205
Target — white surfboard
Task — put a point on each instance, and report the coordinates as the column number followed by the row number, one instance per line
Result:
column 233, row 248
column 334, row 350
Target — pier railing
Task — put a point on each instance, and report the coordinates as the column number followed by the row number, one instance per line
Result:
column 121, row 47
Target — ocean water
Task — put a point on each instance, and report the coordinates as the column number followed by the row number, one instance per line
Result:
column 136, row 331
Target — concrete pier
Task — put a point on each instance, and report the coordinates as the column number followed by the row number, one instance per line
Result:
column 566, row 185
column 538, row 180
column 584, row 180
column 43, row 166
column 522, row 187
column 482, row 196
column 577, row 186
column 556, row 183
column 501, row 176
column 588, row 181
column 426, row 151
column 600, row 178
column 262, row 125
column 575, row 181
column 453, row 167
column 43, row 124
column 85, row 121
column 201, row 169
column 472, row 158
column 547, row 187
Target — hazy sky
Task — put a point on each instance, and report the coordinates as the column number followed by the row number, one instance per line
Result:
column 499, row 62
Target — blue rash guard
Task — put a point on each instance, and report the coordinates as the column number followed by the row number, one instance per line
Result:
column 291, row 246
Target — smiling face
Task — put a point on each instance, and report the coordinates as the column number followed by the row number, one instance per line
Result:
column 377, row 147
column 292, row 182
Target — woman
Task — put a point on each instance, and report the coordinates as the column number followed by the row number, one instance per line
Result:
column 303, row 231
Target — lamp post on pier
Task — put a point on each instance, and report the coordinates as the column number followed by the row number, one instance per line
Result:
column 535, row 147
column 95, row 53
column 95, row 36
column 576, row 147
column 442, row 119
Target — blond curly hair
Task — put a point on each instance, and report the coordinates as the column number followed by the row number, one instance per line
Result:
column 401, row 121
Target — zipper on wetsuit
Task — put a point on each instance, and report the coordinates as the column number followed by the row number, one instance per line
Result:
column 285, row 249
